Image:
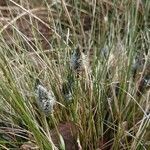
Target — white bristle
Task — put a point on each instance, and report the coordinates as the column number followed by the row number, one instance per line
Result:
column 45, row 99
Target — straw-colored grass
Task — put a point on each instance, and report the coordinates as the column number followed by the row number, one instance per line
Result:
column 108, row 103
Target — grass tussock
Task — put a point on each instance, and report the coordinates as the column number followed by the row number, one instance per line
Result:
column 92, row 63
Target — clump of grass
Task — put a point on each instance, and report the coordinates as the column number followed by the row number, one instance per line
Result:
column 108, row 107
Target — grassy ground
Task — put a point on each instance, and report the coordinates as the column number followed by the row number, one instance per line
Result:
column 110, row 107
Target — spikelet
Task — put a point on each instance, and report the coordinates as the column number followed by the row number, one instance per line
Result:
column 80, row 61
column 105, row 51
column 67, row 92
column 147, row 82
column 67, row 89
column 76, row 60
column 45, row 99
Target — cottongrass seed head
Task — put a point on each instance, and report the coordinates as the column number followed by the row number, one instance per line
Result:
column 80, row 61
column 45, row 99
column 76, row 60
